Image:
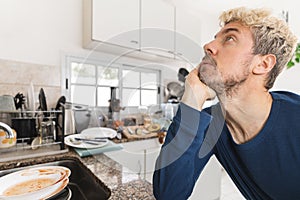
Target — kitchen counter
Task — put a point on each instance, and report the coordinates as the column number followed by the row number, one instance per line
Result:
column 123, row 183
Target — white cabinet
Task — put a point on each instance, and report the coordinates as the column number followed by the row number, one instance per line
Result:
column 149, row 26
column 138, row 156
column 208, row 185
column 157, row 27
column 188, row 37
column 151, row 156
column 114, row 22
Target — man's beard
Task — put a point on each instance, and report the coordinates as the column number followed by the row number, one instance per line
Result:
column 223, row 86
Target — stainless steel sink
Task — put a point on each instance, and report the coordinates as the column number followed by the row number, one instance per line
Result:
column 83, row 184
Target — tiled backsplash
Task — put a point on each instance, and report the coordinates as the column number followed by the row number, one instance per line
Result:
column 17, row 76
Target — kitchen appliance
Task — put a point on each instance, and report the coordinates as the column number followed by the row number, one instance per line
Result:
column 69, row 120
column 65, row 119
column 82, row 115
column 114, row 105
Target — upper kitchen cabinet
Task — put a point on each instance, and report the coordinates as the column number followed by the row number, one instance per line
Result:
column 188, row 37
column 114, row 22
column 157, row 27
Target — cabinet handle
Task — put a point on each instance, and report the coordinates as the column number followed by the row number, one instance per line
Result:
column 134, row 42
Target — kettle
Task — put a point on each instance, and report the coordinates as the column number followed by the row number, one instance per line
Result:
column 69, row 120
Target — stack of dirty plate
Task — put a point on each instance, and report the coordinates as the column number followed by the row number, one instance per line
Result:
column 34, row 183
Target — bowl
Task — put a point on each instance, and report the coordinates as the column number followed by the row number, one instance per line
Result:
column 7, row 142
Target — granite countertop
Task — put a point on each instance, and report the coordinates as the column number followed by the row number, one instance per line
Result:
column 123, row 183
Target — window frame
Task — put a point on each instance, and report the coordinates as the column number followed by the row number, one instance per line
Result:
column 66, row 78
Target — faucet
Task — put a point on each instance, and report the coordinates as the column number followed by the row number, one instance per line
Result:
column 7, row 129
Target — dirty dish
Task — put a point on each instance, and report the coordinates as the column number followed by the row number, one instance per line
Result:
column 85, row 143
column 34, row 183
column 100, row 132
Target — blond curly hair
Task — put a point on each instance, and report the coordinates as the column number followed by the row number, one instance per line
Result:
column 271, row 36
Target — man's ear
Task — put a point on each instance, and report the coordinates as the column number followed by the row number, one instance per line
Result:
column 266, row 64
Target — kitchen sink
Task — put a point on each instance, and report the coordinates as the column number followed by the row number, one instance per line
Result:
column 83, row 184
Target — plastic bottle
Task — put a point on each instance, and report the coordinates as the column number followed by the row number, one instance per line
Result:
column 169, row 111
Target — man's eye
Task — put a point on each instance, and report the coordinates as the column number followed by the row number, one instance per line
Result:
column 229, row 38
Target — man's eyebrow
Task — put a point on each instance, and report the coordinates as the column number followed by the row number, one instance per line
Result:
column 227, row 30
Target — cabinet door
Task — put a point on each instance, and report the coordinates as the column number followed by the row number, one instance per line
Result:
column 157, row 27
column 188, row 37
column 151, row 156
column 132, row 160
column 208, row 185
column 116, row 22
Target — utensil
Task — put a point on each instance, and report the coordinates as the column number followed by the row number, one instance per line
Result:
column 71, row 141
column 90, row 139
column 87, row 141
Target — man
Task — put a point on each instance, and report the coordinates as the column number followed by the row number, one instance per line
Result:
column 254, row 133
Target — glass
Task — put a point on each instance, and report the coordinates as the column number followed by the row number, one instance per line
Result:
column 103, row 95
column 83, row 95
column 83, row 73
column 130, row 78
column 108, row 76
column 149, row 80
column 130, row 97
column 148, row 97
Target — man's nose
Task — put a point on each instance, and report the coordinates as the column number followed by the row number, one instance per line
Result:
column 210, row 48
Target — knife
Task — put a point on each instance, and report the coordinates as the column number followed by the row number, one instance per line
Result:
column 91, row 140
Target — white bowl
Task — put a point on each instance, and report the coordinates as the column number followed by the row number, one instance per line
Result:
column 7, row 142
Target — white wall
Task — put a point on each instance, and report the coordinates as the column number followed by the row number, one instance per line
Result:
column 43, row 31
column 38, row 31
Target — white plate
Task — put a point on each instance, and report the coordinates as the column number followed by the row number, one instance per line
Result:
column 30, row 97
column 100, row 132
column 34, row 183
column 70, row 141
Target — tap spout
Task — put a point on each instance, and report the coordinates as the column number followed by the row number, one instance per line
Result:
column 7, row 129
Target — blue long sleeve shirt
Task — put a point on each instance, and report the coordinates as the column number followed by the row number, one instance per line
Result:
column 266, row 167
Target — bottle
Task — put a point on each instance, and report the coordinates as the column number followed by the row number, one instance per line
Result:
column 169, row 111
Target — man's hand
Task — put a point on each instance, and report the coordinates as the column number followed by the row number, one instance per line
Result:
column 196, row 92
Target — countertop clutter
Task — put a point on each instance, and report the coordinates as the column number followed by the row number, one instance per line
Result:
column 122, row 183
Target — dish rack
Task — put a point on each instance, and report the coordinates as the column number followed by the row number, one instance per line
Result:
column 39, row 133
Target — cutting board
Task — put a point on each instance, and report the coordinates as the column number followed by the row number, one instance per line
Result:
column 111, row 146
column 129, row 135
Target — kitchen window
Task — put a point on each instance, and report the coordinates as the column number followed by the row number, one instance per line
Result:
column 90, row 83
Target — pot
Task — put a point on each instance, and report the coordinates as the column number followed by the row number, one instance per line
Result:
column 25, row 128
